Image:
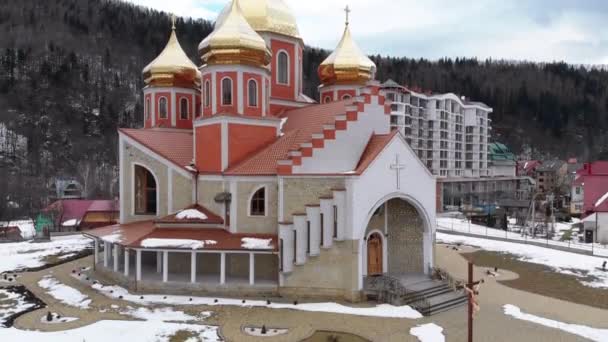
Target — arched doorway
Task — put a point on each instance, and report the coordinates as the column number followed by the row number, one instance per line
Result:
column 145, row 192
column 374, row 254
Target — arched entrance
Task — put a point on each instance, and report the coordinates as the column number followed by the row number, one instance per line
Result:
column 374, row 254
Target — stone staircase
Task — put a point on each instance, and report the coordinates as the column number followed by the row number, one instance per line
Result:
column 427, row 295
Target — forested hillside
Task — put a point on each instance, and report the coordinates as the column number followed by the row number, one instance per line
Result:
column 70, row 74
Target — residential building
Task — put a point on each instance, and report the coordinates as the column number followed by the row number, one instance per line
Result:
column 550, row 176
column 501, row 161
column 78, row 214
column 590, row 183
column 527, row 168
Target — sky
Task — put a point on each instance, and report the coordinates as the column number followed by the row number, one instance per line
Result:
column 575, row 31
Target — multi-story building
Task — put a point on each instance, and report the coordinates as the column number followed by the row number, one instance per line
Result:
column 448, row 133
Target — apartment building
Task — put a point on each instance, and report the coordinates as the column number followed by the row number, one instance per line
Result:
column 449, row 134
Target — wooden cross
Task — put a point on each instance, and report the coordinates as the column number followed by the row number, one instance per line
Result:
column 347, row 11
column 398, row 167
column 173, row 21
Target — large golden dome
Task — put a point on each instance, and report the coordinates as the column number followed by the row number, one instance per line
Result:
column 266, row 16
column 234, row 42
column 347, row 64
column 172, row 67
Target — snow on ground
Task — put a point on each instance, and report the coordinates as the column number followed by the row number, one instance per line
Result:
column 579, row 265
column 19, row 255
column 430, row 332
column 63, row 293
column 593, row 334
column 104, row 331
column 12, row 303
column 382, row 310
column 254, row 243
column 190, row 214
column 28, row 231
column 175, row 243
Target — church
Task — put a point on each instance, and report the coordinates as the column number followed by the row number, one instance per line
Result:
column 238, row 183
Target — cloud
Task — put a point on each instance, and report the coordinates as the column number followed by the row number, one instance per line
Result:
column 539, row 30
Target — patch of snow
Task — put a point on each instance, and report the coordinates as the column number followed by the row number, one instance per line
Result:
column 254, row 243
column 175, row 243
column 63, row 293
column 20, row 255
column 26, row 227
column 108, row 330
column 70, row 223
column 12, row 303
column 161, row 314
column 382, row 310
column 601, row 200
column 430, row 332
column 191, row 169
column 112, row 238
column 190, row 214
column 560, row 261
column 593, row 334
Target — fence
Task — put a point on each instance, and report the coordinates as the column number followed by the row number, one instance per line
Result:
column 467, row 228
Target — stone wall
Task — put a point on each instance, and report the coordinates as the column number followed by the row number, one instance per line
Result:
column 207, row 190
column 182, row 192
column 298, row 192
column 405, row 242
column 257, row 224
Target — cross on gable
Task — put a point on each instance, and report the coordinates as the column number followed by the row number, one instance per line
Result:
column 397, row 167
column 347, row 11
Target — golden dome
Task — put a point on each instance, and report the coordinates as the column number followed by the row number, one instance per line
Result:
column 172, row 67
column 347, row 64
column 266, row 16
column 234, row 42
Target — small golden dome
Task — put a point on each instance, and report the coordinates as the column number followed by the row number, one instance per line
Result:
column 347, row 64
column 266, row 16
column 234, row 42
column 172, row 67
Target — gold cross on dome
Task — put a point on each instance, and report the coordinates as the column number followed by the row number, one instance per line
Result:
column 173, row 21
column 347, row 11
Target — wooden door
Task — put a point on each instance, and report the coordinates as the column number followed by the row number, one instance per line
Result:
column 374, row 255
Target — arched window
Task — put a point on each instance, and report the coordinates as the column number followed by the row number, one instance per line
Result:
column 145, row 192
column 207, row 94
column 183, row 108
column 162, row 108
column 257, row 204
column 345, row 97
column 252, row 93
column 227, row 92
column 282, row 68
column 147, row 109
column 327, row 99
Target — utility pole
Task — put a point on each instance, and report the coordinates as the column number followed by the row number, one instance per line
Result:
column 472, row 291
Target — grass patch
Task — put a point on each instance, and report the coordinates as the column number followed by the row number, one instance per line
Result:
column 184, row 335
column 567, row 235
column 542, row 280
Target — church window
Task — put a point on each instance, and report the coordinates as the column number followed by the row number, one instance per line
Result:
column 252, row 93
column 145, row 192
column 207, row 93
column 335, row 222
column 322, row 227
column 327, row 99
column 183, row 108
column 147, row 109
column 308, row 235
column 282, row 68
column 227, row 92
column 346, row 97
column 162, row 108
column 257, row 205
column 281, row 254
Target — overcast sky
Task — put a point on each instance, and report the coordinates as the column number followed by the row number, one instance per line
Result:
column 539, row 30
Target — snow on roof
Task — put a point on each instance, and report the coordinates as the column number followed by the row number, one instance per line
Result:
column 255, row 243
column 26, row 227
column 601, row 200
column 70, row 223
column 176, row 243
column 112, row 238
column 190, row 214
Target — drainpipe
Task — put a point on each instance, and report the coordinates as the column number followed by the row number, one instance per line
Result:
column 194, row 171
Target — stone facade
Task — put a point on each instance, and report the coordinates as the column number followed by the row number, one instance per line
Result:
column 182, row 192
column 298, row 192
column 405, row 242
column 257, row 224
column 207, row 190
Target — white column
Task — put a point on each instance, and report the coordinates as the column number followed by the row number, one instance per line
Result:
column 159, row 261
column 222, row 268
column 126, row 262
column 115, row 254
column 239, row 93
column 286, row 234
column 327, row 209
column 106, row 254
column 96, row 255
column 165, row 266
column 299, row 225
column 313, row 215
column 138, row 264
column 193, row 267
column 251, row 268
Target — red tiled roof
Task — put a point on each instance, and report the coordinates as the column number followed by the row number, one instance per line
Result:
column 375, row 145
column 103, row 205
column 301, row 124
column 594, row 187
column 176, row 145
column 599, row 167
column 212, row 218
column 129, row 232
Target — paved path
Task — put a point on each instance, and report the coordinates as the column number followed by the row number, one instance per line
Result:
column 491, row 324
